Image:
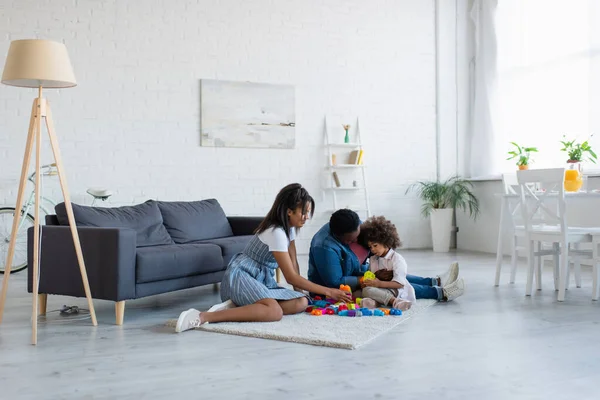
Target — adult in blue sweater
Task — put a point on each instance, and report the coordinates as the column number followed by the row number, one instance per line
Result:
column 331, row 262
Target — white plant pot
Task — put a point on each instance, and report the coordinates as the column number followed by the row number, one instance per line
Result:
column 441, row 229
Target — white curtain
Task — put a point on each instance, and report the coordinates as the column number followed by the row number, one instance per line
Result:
column 534, row 79
column 482, row 141
column 547, row 77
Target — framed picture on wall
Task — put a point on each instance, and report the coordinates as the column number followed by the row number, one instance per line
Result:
column 245, row 114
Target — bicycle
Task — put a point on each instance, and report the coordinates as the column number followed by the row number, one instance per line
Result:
column 7, row 215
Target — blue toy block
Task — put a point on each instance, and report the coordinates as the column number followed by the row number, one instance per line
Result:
column 395, row 311
column 378, row 313
column 321, row 304
column 366, row 312
column 343, row 313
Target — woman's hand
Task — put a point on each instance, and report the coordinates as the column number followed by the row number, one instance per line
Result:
column 339, row 295
column 373, row 282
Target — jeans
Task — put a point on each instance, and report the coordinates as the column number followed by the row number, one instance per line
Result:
column 425, row 288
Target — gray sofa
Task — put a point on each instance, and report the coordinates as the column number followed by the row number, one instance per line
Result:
column 137, row 251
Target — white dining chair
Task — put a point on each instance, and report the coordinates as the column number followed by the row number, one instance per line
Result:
column 596, row 266
column 545, row 223
column 512, row 210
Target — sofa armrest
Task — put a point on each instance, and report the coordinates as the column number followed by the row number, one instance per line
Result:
column 109, row 255
column 244, row 225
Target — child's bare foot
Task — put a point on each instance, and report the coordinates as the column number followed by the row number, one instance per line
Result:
column 402, row 304
column 368, row 303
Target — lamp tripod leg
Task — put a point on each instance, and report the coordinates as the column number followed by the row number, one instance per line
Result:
column 63, row 184
column 20, row 195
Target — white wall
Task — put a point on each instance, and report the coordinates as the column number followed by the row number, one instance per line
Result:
column 132, row 123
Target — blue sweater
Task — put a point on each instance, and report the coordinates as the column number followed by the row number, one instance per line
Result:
column 332, row 263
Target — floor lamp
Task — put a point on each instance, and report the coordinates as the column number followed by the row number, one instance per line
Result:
column 40, row 64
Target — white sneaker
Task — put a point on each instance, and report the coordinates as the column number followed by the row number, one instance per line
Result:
column 187, row 320
column 368, row 303
column 402, row 305
column 449, row 276
column 454, row 290
column 222, row 306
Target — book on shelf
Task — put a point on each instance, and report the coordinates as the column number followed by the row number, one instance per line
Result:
column 353, row 157
column 336, row 179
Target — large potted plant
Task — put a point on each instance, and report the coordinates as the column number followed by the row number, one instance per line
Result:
column 522, row 154
column 576, row 152
column 439, row 201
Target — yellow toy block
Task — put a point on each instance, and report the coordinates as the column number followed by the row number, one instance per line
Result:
column 368, row 276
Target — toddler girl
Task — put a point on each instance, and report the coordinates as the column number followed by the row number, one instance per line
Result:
column 390, row 287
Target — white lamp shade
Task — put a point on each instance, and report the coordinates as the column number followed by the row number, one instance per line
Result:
column 35, row 62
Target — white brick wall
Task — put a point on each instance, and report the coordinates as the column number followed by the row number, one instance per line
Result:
column 132, row 123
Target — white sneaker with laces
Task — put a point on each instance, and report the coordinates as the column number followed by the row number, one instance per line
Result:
column 450, row 276
column 187, row 320
column 222, row 306
column 454, row 290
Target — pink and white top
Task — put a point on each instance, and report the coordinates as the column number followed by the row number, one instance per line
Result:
column 393, row 261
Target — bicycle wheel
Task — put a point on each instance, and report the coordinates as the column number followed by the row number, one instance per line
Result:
column 20, row 257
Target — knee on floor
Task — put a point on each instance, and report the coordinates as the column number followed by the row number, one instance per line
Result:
column 302, row 304
column 273, row 311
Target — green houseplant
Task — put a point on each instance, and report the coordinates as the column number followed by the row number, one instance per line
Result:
column 522, row 154
column 440, row 198
column 576, row 152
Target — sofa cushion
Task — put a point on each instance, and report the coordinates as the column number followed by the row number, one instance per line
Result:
column 191, row 221
column 159, row 263
column 144, row 218
column 230, row 246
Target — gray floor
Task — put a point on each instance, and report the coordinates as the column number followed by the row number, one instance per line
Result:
column 493, row 343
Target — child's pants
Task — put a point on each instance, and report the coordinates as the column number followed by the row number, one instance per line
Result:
column 380, row 295
column 425, row 288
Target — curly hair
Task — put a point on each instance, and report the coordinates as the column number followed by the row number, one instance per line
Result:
column 379, row 230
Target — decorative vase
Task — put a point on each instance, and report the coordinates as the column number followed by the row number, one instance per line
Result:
column 347, row 137
column 441, row 229
column 523, row 167
column 573, row 176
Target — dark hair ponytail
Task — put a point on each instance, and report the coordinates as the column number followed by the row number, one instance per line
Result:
column 289, row 198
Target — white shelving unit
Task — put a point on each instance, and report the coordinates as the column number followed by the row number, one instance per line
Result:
column 361, row 179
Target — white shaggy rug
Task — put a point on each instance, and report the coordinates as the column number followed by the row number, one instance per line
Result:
column 327, row 330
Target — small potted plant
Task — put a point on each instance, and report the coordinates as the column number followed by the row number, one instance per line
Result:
column 522, row 154
column 576, row 152
column 439, row 201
